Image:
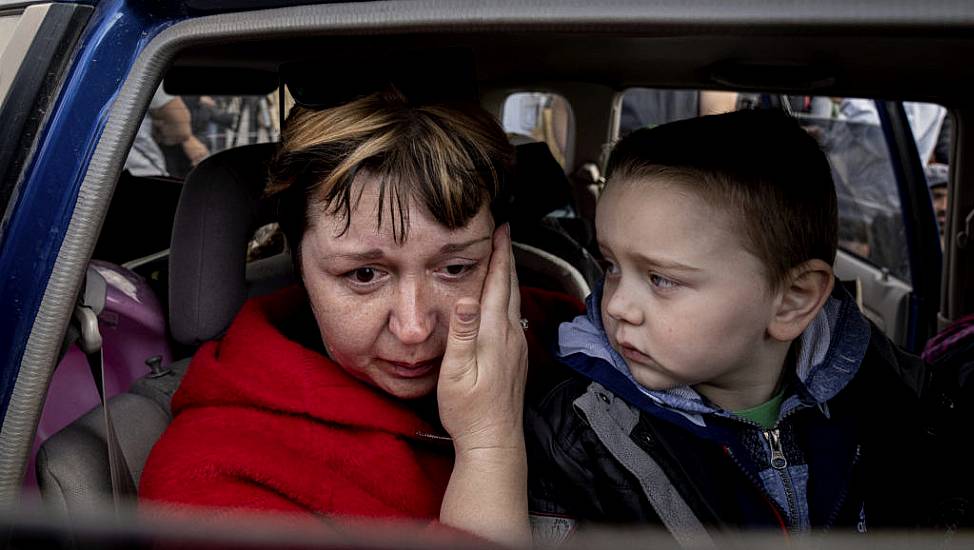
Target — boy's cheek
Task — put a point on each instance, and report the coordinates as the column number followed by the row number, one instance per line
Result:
column 610, row 332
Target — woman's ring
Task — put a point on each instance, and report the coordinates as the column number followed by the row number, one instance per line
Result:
column 524, row 323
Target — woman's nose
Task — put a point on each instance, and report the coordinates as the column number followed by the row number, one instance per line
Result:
column 412, row 319
column 621, row 306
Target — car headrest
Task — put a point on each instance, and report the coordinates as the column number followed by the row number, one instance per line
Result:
column 540, row 186
column 219, row 209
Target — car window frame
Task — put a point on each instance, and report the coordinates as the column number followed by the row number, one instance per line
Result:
column 920, row 224
column 50, row 33
column 43, row 317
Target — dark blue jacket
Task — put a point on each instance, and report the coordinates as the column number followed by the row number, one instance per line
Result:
column 850, row 448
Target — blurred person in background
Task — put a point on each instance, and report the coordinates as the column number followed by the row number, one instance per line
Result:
column 650, row 107
column 937, row 176
column 168, row 122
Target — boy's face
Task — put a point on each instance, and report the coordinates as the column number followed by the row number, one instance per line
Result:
column 684, row 302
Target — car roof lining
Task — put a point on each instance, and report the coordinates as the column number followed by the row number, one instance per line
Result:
column 864, row 63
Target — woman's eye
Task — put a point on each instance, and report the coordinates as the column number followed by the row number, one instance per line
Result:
column 661, row 282
column 456, row 270
column 363, row 275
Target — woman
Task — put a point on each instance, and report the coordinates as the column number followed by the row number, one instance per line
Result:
column 414, row 336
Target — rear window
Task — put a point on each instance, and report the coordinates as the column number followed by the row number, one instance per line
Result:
column 649, row 107
column 541, row 116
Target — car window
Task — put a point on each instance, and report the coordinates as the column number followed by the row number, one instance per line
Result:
column 180, row 131
column 649, row 107
column 223, row 122
column 870, row 216
column 541, row 116
column 933, row 130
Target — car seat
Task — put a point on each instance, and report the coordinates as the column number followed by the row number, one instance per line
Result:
column 219, row 209
column 543, row 211
column 586, row 186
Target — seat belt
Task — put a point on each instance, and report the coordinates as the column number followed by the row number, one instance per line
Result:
column 612, row 420
column 90, row 303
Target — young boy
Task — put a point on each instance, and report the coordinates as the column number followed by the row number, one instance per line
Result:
column 722, row 378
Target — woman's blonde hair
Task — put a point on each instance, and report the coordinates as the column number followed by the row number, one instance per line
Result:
column 451, row 159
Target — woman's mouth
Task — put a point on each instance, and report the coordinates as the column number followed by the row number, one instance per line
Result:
column 415, row 369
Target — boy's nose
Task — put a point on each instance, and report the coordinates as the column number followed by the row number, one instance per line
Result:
column 412, row 318
column 621, row 308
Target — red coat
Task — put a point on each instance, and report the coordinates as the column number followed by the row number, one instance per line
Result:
column 261, row 422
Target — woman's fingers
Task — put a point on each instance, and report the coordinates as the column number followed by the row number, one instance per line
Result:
column 460, row 356
column 514, row 299
column 481, row 387
column 497, row 287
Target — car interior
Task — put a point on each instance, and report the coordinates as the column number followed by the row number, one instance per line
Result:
column 192, row 235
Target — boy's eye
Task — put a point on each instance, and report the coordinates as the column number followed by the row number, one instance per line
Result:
column 609, row 267
column 661, row 282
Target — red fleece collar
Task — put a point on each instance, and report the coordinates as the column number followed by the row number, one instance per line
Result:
column 256, row 366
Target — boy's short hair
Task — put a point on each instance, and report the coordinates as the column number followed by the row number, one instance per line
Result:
column 761, row 165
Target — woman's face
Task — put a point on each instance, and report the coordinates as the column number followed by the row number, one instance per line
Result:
column 384, row 308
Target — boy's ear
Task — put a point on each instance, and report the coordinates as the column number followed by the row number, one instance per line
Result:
column 801, row 298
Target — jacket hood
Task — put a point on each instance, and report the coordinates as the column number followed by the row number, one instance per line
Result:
column 827, row 357
column 256, row 366
column 261, row 422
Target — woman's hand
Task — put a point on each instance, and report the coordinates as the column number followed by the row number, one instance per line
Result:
column 481, row 400
column 481, row 385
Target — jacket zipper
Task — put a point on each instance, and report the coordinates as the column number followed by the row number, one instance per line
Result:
column 784, row 471
column 760, row 487
column 845, row 490
column 780, row 463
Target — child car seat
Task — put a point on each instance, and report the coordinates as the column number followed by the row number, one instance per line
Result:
column 133, row 329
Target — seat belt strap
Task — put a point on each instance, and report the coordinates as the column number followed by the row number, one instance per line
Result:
column 612, row 420
column 90, row 342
